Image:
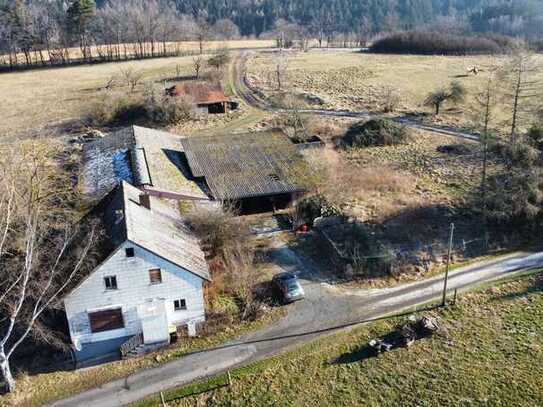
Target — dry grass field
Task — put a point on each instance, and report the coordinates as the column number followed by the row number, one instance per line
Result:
column 356, row 81
column 45, row 98
column 38, row 101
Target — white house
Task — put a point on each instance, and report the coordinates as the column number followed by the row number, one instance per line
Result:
column 150, row 283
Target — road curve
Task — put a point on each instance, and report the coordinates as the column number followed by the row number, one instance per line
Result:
column 327, row 309
column 256, row 99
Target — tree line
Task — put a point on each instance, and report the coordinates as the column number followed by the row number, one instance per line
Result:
column 335, row 17
column 59, row 32
column 34, row 32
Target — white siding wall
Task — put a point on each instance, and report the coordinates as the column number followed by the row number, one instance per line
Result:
column 134, row 288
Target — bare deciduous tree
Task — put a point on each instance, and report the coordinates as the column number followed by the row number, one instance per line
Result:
column 486, row 100
column 391, row 99
column 225, row 29
column 38, row 261
column 203, row 32
column 520, row 73
column 198, row 63
column 281, row 66
column 131, row 77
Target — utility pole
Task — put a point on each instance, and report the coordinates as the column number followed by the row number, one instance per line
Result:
column 451, row 236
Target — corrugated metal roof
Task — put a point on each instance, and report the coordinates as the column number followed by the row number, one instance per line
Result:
column 246, row 165
column 159, row 230
column 202, row 93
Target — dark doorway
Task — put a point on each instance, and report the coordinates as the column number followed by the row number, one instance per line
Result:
column 216, row 108
column 264, row 204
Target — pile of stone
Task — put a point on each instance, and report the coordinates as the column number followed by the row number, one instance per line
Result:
column 405, row 335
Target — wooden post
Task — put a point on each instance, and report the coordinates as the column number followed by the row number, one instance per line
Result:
column 451, row 236
column 229, row 378
column 162, row 400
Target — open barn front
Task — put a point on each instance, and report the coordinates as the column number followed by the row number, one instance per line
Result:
column 256, row 173
column 263, row 204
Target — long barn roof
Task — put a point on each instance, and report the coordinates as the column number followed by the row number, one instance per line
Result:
column 246, row 165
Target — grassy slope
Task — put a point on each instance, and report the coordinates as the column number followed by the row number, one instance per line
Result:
column 490, row 352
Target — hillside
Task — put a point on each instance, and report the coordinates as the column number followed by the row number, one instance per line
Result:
column 255, row 17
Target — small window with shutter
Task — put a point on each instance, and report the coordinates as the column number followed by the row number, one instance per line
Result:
column 129, row 252
column 155, row 276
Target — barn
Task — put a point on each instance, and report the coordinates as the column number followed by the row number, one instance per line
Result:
column 207, row 98
column 258, row 172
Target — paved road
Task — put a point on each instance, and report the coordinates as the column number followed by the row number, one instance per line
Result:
column 327, row 309
column 256, row 99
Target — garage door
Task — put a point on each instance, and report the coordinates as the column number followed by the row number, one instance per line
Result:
column 107, row 320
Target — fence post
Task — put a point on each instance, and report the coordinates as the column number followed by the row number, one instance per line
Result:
column 162, row 400
column 229, row 378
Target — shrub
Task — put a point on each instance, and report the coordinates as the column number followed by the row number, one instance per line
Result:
column 226, row 239
column 121, row 108
column 164, row 109
column 519, row 154
column 456, row 93
column 431, row 43
column 537, row 45
column 367, row 256
column 514, row 196
column 378, row 132
column 314, row 207
column 391, row 99
column 220, row 60
column 535, row 137
column 116, row 108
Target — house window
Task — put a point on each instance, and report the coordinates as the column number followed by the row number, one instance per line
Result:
column 180, row 305
column 110, row 282
column 107, row 320
column 129, row 252
column 155, row 276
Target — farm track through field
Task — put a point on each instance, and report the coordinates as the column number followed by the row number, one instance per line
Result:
column 253, row 97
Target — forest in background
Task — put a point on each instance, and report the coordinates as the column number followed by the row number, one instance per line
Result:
column 254, row 17
column 41, row 32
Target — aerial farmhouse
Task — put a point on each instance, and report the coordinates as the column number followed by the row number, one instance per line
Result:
column 149, row 284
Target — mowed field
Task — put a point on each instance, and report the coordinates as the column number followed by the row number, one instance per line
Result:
column 355, row 81
column 35, row 100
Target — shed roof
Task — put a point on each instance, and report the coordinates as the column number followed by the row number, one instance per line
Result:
column 159, row 230
column 202, row 93
column 246, row 165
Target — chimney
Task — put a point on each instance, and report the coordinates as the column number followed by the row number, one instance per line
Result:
column 145, row 201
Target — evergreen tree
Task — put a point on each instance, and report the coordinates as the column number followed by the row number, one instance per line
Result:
column 78, row 19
